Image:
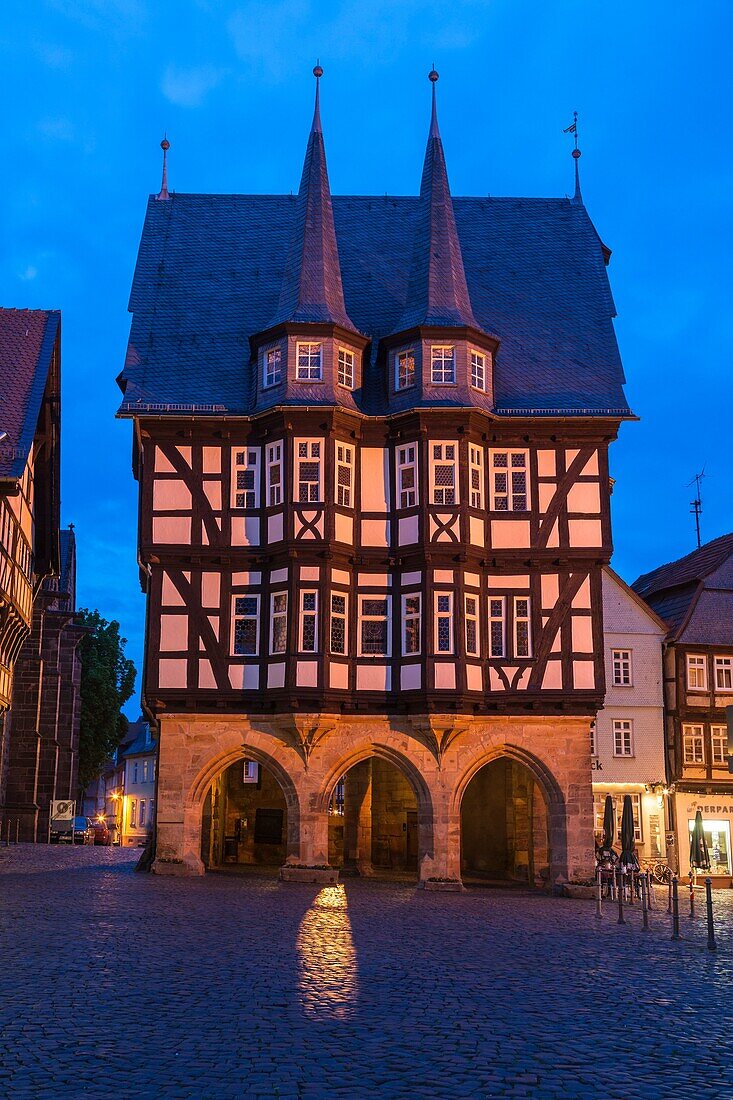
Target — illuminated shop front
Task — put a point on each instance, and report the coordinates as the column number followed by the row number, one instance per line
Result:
column 648, row 802
column 717, row 820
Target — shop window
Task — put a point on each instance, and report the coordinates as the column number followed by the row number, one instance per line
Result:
column 344, row 489
column 309, row 357
column 444, row 473
column 346, row 368
column 522, row 631
column 275, row 473
column 470, row 608
column 719, row 743
column 697, row 678
column 621, row 667
column 404, row 370
column 693, row 744
column 497, row 626
column 717, row 839
column 623, row 737
column 246, row 631
column 278, row 622
column 599, row 807
column 407, row 486
column 442, row 365
column 309, row 471
column 443, row 622
column 509, row 488
column 478, row 370
column 272, row 367
column 411, row 623
column 246, row 478
column 724, row 673
column 374, row 626
column 339, row 633
column 476, row 475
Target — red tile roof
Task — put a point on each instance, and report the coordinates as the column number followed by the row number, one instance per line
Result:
column 27, row 338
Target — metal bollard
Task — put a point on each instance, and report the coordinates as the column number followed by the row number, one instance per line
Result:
column 620, row 893
column 712, row 946
column 643, row 881
column 7, row 833
column 692, row 897
column 599, row 893
column 17, row 828
column 669, row 893
column 631, row 886
column 675, row 911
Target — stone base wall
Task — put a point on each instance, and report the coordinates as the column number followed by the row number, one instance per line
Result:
column 438, row 756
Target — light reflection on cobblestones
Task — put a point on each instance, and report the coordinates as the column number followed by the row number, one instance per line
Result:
column 328, row 981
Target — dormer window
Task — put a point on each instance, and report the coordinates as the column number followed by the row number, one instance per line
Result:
column 272, row 367
column 309, row 367
column 404, row 370
column 346, row 368
column 443, row 365
column 478, row 371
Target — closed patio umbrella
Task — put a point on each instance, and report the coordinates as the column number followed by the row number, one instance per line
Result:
column 699, row 856
column 627, row 833
column 609, row 823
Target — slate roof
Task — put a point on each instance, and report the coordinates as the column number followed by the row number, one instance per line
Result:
column 694, row 595
column 27, row 338
column 210, row 269
column 138, row 741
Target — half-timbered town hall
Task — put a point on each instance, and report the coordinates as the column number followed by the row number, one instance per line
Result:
column 371, row 440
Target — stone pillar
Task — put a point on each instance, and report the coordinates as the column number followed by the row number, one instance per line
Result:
column 358, row 818
column 178, row 819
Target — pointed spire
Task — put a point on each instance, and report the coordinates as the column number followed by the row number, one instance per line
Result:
column 312, row 291
column 165, row 146
column 573, row 129
column 438, row 293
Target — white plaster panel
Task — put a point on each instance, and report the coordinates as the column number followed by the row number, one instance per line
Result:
column 585, row 532
column 583, row 675
column 476, row 531
column 495, row 681
column 171, row 495
column 582, row 596
column 570, row 454
column 552, row 680
column 523, row 679
column 211, row 459
column 582, row 633
column 550, row 588
column 474, row 678
column 206, row 675
column 210, row 589
column 372, row 677
column 249, row 578
column 162, row 465
column 584, row 496
column 306, row 674
column 172, row 673
column 170, row 596
column 591, row 466
column 509, row 533
column 344, row 529
column 185, row 453
column 445, row 675
column 245, row 531
column 545, row 493
column 375, row 532
column 407, row 530
column 472, row 580
column 443, row 576
column 339, row 676
column 310, row 573
column 172, row 529
column 278, row 576
column 374, row 479
column 553, row 539
column 276, row 676
column 212, row 489
column 340, row 576
column 374, row 580
column 556, row 646
column 410, row 677
column 244, row 677
column 411, row 578
column 214, row 623
column 546, row 465
column 516, row 581
column 275, row 527
column 173, row 632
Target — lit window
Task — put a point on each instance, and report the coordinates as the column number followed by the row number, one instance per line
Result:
column 444, row 473
column 309, row 363
column 278, row 622
column 308, row 471
column 471, row 617
column 308, row 621
column 411, row 628
column 246, row 632
column 497, row 620
column 407, row 476
column 724, row 673
column 509, row 481
column 476, row 475
column 623, row 737
column 599, row 806
column 344, row 475
column 621, row 667
column 246, row 478
column 145, row 771
column 693, row 745
column 374, row 625
column 404, row 370
column 142, row 813
column 133, row 813
column 478, row 370
column 443, row 622
column 593, row 746
column 346, row 368
column 522, row 633
column 250, row 772
column 697, row 676
column 338, row 623
column 443, row 365
column 272, row 367
column 274, row 474
column 719, row 740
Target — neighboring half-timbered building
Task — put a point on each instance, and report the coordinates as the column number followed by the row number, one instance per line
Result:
column 371, row 436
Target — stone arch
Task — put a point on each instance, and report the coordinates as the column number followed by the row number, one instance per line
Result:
column 553, row 794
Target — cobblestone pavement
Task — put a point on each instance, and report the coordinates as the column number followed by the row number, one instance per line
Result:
column 122, row 985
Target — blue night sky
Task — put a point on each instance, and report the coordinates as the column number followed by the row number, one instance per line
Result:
column 89, row 86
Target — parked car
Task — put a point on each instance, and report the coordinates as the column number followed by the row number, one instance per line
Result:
column 77, row 830
column 102, row 835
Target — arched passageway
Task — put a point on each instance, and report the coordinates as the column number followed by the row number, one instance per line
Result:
column 374, row 820
column 245, row 818
column 505, row 826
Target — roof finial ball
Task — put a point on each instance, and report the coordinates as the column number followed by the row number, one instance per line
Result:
column 433, row 76
column 165, row 146
column 317, row 71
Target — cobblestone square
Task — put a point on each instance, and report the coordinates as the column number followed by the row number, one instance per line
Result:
column 130, row 985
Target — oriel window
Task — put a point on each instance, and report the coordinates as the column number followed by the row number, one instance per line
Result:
column 308, row 458
column 346, row 368
column 443, row 622
column 509, row 492
column 278, row 622
column 444, row 473
column 522, row 631
column 497, row 626
column 339, row 633
column 275, row 473
column 442, row 365
column 246, row 478
column 471, row 621
column 407, row 487
column 478, row 370
column 374, row 626
column 246, row 631
column 309, row 621
column 309, row 362
column 272, row 367
column 476, row 475
column 411, row 623
column 404, row 369
column 344, row 475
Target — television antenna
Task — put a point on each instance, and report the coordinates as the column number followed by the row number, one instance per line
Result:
column 696, row 504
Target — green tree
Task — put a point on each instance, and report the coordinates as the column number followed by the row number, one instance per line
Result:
column 107, row 682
